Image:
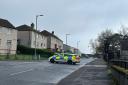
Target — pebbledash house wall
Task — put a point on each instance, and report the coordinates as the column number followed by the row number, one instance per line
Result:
column 24, row 38
column 53, row 42
column 27, row 38
column 41, row 40
column 58, row 43
column 8, row 40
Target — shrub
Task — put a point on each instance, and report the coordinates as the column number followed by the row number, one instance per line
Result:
column 31, row 51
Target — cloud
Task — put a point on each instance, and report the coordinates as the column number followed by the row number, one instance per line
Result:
column 83, row 19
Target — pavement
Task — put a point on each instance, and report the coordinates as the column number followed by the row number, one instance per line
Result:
column 36, row 73
column 93, row 73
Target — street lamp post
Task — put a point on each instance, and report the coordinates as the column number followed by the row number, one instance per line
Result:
column 36, row 34
column 77, row 46
column 66, row 38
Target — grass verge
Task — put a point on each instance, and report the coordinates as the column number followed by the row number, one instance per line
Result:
column 21, row 57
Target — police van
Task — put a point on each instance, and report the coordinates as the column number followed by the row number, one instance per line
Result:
column 64, row 58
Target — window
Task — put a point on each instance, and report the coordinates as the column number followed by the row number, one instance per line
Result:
column 1, row 29
column 9, row 43
column 55, row 46
column 37, row 35
column 34, row 43
column 19, row 42
column 59, row 47
column 41, row 44
column 0, row 41
column 37, row 44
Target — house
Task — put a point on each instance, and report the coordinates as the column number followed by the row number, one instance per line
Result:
column 71, row 49
column 53, row 42
column 67, row 48
column 8, row 38
column 124, row 48
column 27, row 34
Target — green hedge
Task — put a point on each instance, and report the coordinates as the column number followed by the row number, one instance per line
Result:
column 31, row 51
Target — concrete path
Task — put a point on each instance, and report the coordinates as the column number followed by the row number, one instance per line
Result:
column 94, row 73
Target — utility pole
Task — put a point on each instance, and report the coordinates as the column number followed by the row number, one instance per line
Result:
column 66, row 38
column 36, row 34
column 77, row 46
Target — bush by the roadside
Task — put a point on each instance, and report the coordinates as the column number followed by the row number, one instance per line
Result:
column 31, row 51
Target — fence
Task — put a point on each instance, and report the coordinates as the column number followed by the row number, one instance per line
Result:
column 119, row 70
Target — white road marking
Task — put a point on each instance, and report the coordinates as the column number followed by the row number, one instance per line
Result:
column 96, row 65
column 20, row 72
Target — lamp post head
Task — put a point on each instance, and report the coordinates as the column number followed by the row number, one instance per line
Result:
column 78, row 41
column 66, row 38
column 67, row 34
column 41, row 15
column 110, row 45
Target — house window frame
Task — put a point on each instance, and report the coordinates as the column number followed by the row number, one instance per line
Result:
column 9, row 44
column 0, row 41
column 37, row 45
column 41, row 45
column 34, row 43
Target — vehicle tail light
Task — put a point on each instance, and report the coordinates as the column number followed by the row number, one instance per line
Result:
column 77, row 57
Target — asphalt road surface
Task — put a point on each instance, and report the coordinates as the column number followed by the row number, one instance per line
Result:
column 36, row 73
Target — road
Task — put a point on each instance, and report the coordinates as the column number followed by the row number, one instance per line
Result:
column 35, row 73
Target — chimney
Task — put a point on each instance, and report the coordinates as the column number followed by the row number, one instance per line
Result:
column 32, row 25
column 53, row 32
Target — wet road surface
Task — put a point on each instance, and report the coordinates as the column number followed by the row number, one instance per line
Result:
column 36, row 73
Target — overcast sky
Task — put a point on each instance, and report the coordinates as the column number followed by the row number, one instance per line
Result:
column 82, row 19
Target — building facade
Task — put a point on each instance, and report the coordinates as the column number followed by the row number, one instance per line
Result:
column 71, row 49
column 8, row 38
column 124, row 48
column 26, row 37
column 53, row 42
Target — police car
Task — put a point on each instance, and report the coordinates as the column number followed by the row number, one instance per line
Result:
column 64, row 58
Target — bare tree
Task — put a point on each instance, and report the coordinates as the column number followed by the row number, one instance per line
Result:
column 123, row 31
column 97, row 45
column 94, row 45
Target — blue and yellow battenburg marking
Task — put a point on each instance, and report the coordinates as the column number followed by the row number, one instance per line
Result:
column 65, row 58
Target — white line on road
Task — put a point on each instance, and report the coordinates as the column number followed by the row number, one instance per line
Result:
column 96, row 65
column 20, row 72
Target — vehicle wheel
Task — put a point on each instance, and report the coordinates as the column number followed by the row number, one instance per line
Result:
column 74, row 63
column 52, row 60
column 57, row 62
column 69, row 62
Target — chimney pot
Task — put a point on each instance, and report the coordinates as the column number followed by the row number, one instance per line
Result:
column 53, row 32
column 32, row 25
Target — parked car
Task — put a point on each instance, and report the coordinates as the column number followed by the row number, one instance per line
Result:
column 65, row 58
